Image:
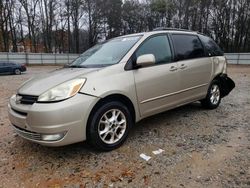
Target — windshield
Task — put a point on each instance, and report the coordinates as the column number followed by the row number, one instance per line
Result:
column 105, row 54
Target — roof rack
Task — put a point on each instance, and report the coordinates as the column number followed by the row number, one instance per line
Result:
column 171, row 29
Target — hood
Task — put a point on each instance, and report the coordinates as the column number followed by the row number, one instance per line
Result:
column 43, row 82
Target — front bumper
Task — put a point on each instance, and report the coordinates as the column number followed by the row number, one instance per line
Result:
column 67, row 118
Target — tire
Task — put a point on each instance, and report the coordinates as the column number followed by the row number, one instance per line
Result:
column 213, row 97
column 108, row 126
column 17, row 71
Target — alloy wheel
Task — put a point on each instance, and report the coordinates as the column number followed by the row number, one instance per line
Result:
column 112, row 126
column 17, row 71
column 215, row 94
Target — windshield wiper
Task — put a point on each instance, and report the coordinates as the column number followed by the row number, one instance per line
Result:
column 87, row 66
column 75, row 66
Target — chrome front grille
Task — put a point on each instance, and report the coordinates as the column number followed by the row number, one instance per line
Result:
column 28, row 134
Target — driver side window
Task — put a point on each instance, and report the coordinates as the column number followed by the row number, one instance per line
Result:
column 158, row 46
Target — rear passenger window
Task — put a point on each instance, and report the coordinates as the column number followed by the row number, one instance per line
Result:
column 212, row 48
column 159, row 47
column 187, row 46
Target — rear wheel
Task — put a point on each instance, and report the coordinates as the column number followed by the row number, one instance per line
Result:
column 213, row 97
column 109, row 126
column 17, row 71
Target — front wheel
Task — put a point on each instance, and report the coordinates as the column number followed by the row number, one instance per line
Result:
column 213, row 97
column 108, row 127
column 17, row 71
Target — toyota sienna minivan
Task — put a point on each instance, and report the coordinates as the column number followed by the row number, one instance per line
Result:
column 113, row 85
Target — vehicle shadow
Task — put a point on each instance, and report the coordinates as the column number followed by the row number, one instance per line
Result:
column 11, row 74
column 85, row 151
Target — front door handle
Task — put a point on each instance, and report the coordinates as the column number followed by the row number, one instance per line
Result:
column 183, row 66
column 173, row 68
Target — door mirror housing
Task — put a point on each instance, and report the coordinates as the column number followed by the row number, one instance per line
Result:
column 145, row 60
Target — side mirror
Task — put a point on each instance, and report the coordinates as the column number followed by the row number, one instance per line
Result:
column 145, row 60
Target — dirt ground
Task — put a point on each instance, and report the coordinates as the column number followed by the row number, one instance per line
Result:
column 202, row 148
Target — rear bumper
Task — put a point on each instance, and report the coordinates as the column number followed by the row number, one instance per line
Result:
column 227, row 85
column 65, row 120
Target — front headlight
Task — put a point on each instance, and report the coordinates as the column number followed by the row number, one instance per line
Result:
column 62, row 91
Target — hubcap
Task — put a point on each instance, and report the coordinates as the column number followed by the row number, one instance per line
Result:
column 17, row 71
column 112, row 126
column 215, row 94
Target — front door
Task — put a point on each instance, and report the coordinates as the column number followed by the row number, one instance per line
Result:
column 157, row 85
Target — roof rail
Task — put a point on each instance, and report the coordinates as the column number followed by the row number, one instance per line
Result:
column 171, row 29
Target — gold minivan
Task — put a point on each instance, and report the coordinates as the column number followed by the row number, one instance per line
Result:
column 113, row 85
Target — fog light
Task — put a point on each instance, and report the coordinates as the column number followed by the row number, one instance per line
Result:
column 52, row 137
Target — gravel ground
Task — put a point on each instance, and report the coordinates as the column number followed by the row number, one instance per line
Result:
column 203, row 148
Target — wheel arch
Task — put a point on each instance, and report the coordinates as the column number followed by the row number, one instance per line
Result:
column 221, row 78
column 217, row 77
column 113, row 97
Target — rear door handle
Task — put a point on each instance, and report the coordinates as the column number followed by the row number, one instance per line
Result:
column 173, row 68
column 183, row 66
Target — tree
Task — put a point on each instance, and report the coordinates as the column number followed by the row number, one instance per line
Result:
column 75, row 25
column 114, row 23
column 47, row 11
column 32, row 21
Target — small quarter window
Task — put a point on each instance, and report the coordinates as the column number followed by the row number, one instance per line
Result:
column 187, row 46
column 212, row 48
